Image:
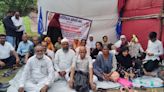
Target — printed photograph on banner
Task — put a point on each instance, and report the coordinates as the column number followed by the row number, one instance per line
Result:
column 53, row 29
column 71, row 26
column 50, row 16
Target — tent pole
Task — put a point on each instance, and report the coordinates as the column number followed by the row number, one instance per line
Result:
column 161, row 21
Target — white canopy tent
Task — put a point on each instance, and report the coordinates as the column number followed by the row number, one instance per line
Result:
column 103, row 14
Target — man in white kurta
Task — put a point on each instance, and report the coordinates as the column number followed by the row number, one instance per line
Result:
column 38, row 73
column 153, row 52
column 91, row 43
column 63, row 60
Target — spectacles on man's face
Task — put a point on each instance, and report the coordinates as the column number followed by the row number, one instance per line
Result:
column 82, row 52
column 65, row 44
column 35, row 40
column 44, row 45
column 2, row 37
column 106, row 50
column 37, row 51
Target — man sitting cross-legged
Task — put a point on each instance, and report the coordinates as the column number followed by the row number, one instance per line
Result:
column 63, row 60
column 153, row 52
column 24, row 47
column 38, row 73
column 81, row 76
column 35, row 41
column 8, row 56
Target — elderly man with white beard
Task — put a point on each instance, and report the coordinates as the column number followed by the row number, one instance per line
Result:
column 38, row 74
column 63, row 60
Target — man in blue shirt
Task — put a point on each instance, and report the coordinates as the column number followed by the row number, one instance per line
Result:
column 24, row 46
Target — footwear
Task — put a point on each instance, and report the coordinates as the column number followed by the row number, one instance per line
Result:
column 3, row 89
column 4, row 85
column 122, row 89
column 130, row 90
column 101, row 90
column 1, row 67
column 15, row 67
column 142, row 88
column 7, row 73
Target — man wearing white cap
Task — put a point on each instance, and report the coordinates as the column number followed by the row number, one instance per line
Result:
column 63, row 60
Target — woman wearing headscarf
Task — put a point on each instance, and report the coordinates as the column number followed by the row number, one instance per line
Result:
column 135, row 48
column 96, row 51
column 126, row 66
column 50, row 44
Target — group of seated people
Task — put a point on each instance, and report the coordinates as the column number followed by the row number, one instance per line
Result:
column 80, row 64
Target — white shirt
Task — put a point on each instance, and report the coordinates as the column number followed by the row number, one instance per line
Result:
column 91, row 44
column 17, row 23
column 118, row 43
column 37, row 70
column 5, row 50
column 63, row 61
column 82, row 64
column 156, row 48
column 135, row 49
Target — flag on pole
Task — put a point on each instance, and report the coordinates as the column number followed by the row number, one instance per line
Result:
column 40, row 22
column 121, row 5
column 119, row 28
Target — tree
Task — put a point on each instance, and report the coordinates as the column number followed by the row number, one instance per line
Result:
column 23, row 6
column 3, row 9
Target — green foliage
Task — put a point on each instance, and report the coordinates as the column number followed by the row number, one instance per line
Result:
column 3, row 9
column 23, row 6
column 27, row 24
column 1, row 28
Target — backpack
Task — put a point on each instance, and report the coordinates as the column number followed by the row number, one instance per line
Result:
column 81, row 81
